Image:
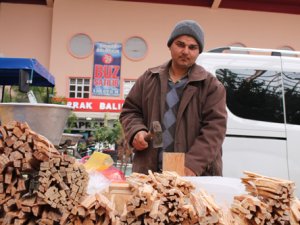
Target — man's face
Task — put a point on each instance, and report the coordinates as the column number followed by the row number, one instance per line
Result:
column 184, row 51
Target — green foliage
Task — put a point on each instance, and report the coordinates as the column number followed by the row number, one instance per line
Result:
column 40, row 94
column 81, row 146
column 70, row 122
column 12, row 94
column 108, row 134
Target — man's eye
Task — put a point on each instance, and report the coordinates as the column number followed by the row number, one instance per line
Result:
column 181, row 44
column 193, row 47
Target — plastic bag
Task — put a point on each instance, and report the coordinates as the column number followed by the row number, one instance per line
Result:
column 113, row 174
column 97, row 182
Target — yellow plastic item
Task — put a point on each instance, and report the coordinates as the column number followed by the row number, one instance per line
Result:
column 98, row 161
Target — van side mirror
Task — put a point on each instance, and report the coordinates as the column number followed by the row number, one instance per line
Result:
column 23, row 81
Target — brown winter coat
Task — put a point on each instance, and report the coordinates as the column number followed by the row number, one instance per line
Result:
column 201, row 119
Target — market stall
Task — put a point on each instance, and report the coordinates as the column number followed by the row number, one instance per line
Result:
column 47, row 119
column 24, row 71
column 39, row 185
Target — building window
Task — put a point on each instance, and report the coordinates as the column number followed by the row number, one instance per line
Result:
column 80, row 45
column 135, row 48
column 79, row 88
column 128, row 84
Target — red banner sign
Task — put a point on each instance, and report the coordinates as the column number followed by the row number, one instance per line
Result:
column 95, row 105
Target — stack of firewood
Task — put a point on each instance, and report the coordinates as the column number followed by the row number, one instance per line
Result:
column 167, row 199
column 268, row 202
column 250, row 208
column 93, row 210
column 295, row 212
column 162, row 181
column 207, row 210
column 62, row 183
column 37, row 183
column 140, row 204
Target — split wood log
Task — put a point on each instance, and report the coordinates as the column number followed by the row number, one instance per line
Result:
column 232, row 218
column 174, row 161
column 95, row 210
column 251, row 209
column 118, row 193
column 62, row 183
column 277, row 193
column 37, row 183
column 161, row 181
column 207, row 210
column 167, row 199
column 295, row 212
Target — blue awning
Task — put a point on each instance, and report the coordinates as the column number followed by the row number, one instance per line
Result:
column 10, row 70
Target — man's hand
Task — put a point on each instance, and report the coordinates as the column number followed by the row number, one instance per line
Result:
column 188, row 172
column 139, row 142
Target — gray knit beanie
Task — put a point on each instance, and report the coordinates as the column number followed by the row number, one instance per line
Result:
column 188, row 27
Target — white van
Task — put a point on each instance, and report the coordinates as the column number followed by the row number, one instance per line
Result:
column 263, row 103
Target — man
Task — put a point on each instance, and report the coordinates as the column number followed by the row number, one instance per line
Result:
column 189, row 102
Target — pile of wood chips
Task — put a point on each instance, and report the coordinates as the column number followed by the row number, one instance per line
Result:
column 167, row 199
column 268, row 201
column 37, row 184
column 93, row 210
column 295, row 211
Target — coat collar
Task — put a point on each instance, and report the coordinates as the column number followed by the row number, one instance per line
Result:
column 197, row 72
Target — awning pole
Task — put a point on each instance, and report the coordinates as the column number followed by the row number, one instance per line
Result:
column 47, row 95
column 2, row 97
column 31, row 77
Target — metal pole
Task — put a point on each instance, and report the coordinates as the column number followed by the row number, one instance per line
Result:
column 2, row 97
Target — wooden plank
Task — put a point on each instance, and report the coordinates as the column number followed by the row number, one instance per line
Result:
column 173, row 161
column 120, row 188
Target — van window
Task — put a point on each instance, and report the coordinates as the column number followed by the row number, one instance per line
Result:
column 253, row 94
column 291, row 82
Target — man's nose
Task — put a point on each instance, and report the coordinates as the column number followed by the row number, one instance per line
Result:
column 186, row 49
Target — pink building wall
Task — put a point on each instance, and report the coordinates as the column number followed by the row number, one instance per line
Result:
column 43, row 32
column 25, row 31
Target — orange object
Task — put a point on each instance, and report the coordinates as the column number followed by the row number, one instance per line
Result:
column 98, row 161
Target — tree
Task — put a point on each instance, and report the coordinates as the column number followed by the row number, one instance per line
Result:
column 12, row 94
column 70, row 123
column 108, row 135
